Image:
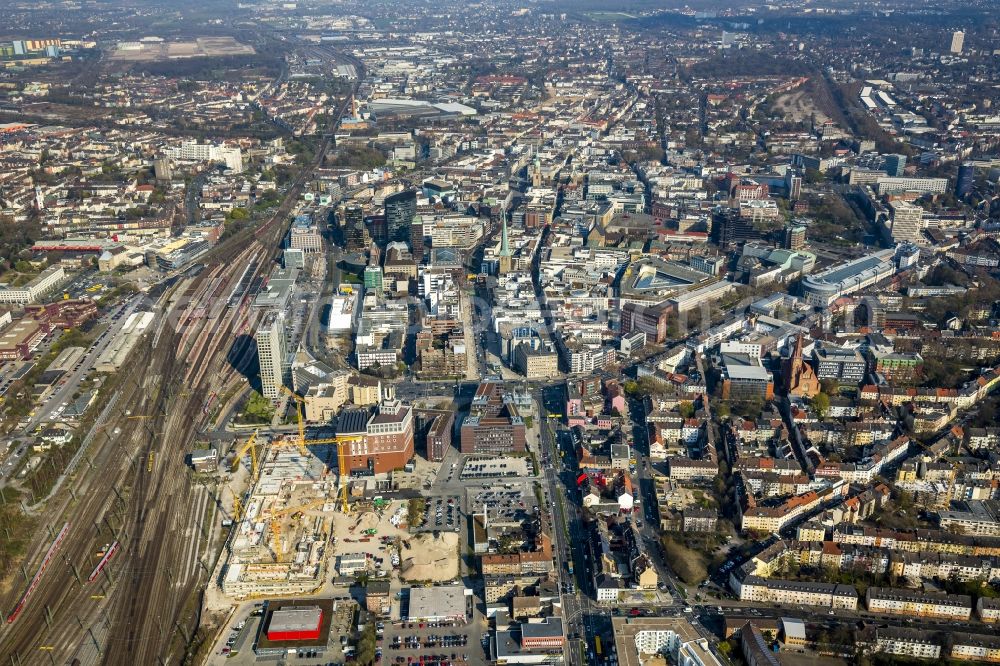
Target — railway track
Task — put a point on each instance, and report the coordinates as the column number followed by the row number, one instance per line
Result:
column 138, row 611
column 145, row 598
column 59, row 595
column 141, row 600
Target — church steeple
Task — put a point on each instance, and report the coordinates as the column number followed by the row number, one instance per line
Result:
column 800, row 378
column 504, row 241
column 505, row 253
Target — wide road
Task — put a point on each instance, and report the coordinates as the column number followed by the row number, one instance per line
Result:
column 568, row 533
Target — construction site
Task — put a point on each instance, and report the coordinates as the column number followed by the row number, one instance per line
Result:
column 294, row 522
column 376, row 540
column 282, row 525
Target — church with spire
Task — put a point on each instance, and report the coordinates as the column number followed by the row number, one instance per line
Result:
column 799, row 377
column 504, row 265
column 536, row 172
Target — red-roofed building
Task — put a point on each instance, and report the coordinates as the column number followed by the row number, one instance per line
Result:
column 295, row 624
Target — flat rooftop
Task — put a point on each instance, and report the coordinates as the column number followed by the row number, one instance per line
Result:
column 352, row 421
column 437, row 602
column 18, row 333
column 632, row 634
column 273, row 607
column 550, row 627
column 296, row 618
column 837, row 274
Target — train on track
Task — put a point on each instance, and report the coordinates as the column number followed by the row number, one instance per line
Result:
column 38, row 574
column 108, row 554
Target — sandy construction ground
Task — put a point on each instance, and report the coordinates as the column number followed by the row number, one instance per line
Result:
column 422, row 556
column 796, row 106
column 430, row 558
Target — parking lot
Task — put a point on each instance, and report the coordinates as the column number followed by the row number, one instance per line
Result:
column 505, row 466
column 241, row 635
column 433, row 643
column 442, row 514
column 512, row 502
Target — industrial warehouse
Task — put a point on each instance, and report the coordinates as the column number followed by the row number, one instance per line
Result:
column 293, row 626
column 125, row 340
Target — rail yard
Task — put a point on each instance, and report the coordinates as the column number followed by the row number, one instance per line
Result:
column 143, row 607
column 503, row 333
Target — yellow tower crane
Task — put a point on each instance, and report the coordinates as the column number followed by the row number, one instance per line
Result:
column 339, row 440
column 276, row 525
column 248, row 446
column 299, row 401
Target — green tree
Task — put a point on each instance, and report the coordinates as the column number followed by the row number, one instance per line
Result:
column 686, row 563
column 237, row 214
column 686, row 409
column 829, row 386
column 821, row 403
column 258, row 409
column 359, row 157
column 814, row 176
column 366, row 645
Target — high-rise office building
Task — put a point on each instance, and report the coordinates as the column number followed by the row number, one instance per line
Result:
column 966, row 179
column 374, row 279
column 906, row 222
column 795, row 237
column 161, row 169
column 417, row 238
column 356, row 237
column 377, row 230
column 957, row 41
column 400, row 209
column 729, row 229
column 794, row 183
column 895, row 165
column 272, row 354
